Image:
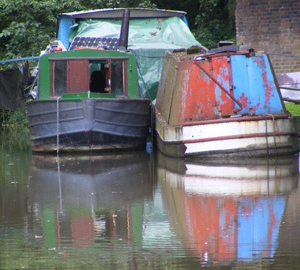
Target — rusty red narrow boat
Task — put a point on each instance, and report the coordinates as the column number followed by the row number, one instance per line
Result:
column 222, row 103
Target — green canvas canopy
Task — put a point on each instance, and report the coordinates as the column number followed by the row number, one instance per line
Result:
column 151, row 34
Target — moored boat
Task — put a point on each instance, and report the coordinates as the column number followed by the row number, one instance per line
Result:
column 96, row 81
column 69, row 115
column 222, row 103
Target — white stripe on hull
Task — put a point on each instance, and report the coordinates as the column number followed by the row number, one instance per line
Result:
column 236, row 144
column 235, row 129
column 233, row 135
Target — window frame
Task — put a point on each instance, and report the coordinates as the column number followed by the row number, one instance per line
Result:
column 82, row 60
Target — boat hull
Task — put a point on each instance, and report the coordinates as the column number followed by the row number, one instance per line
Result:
column 88, row 124
column 252, row 136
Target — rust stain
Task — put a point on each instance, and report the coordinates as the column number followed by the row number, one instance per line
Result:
column 244, row 100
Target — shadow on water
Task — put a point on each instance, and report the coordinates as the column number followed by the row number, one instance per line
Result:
column 133, row 210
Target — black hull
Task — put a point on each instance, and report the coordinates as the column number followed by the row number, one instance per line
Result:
column 89, row 124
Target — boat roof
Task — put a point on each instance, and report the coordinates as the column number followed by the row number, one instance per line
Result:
column 151, row 33
column 117, row 13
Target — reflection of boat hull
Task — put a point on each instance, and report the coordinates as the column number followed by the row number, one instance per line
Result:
column 227, row 214
column 91, row 181
column 259, row 176
column 88, row 124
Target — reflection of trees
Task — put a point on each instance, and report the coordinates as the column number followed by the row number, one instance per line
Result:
column 15, row 168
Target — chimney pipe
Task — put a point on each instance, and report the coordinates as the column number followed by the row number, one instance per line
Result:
column 123, row 42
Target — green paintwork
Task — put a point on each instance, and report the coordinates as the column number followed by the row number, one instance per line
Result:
column 45, row 73
column 87, row 95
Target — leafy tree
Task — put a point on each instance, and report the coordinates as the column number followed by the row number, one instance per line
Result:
column 209, row 20
column 27, row 26
column 215, row 21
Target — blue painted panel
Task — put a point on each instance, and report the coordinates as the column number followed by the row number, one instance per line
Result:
column 222, row 78
column 65, row 22
column 254, row 85
column 258, row 227
column 240, row 82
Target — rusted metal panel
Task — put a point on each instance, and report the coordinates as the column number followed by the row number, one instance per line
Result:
column 206, row 100
column 225, row 104
column 254, row 86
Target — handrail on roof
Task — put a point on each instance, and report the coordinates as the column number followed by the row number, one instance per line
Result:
column 19, row 59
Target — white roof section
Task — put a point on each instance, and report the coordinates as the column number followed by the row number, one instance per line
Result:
column 117, row 13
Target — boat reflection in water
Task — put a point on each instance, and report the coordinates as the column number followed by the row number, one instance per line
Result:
column 227, row 213
column 88, row 200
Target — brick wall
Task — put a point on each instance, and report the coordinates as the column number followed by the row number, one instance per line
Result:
column 272, row 26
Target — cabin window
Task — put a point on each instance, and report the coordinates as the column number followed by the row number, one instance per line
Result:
column 83, row 75
column 59, row 78
column 117, row 77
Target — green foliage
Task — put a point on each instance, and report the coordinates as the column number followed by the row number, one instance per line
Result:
column 215, row 22
column 147, row 4
column 14, row 127
column 27, row 26
column 14, row 120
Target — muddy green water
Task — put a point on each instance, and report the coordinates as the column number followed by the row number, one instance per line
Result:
column 139, row 211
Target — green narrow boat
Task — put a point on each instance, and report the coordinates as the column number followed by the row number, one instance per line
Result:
column 88, row 99
column 76, row 112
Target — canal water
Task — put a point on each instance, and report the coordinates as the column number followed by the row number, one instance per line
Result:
column 136, row 210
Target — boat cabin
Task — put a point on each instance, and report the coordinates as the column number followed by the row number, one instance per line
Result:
column 72, row 76
column 96, row 72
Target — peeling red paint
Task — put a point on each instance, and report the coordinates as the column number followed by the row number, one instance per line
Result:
column 218, row 86
column 266, row 86
column 244, row 101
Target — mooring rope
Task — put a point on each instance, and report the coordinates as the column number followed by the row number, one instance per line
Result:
column 274, row 135
column 266, row 124
column 57, row 126
column 57, row 151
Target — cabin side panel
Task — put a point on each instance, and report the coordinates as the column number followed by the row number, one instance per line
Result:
column 132, row 78
column 180, row 94
column 206, row 99
column 166, row 87
column 254, row 85
column 222, row 74
column 45, row 82
column 201, row 100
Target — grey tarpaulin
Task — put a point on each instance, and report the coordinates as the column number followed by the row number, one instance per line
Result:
column 12, row 95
